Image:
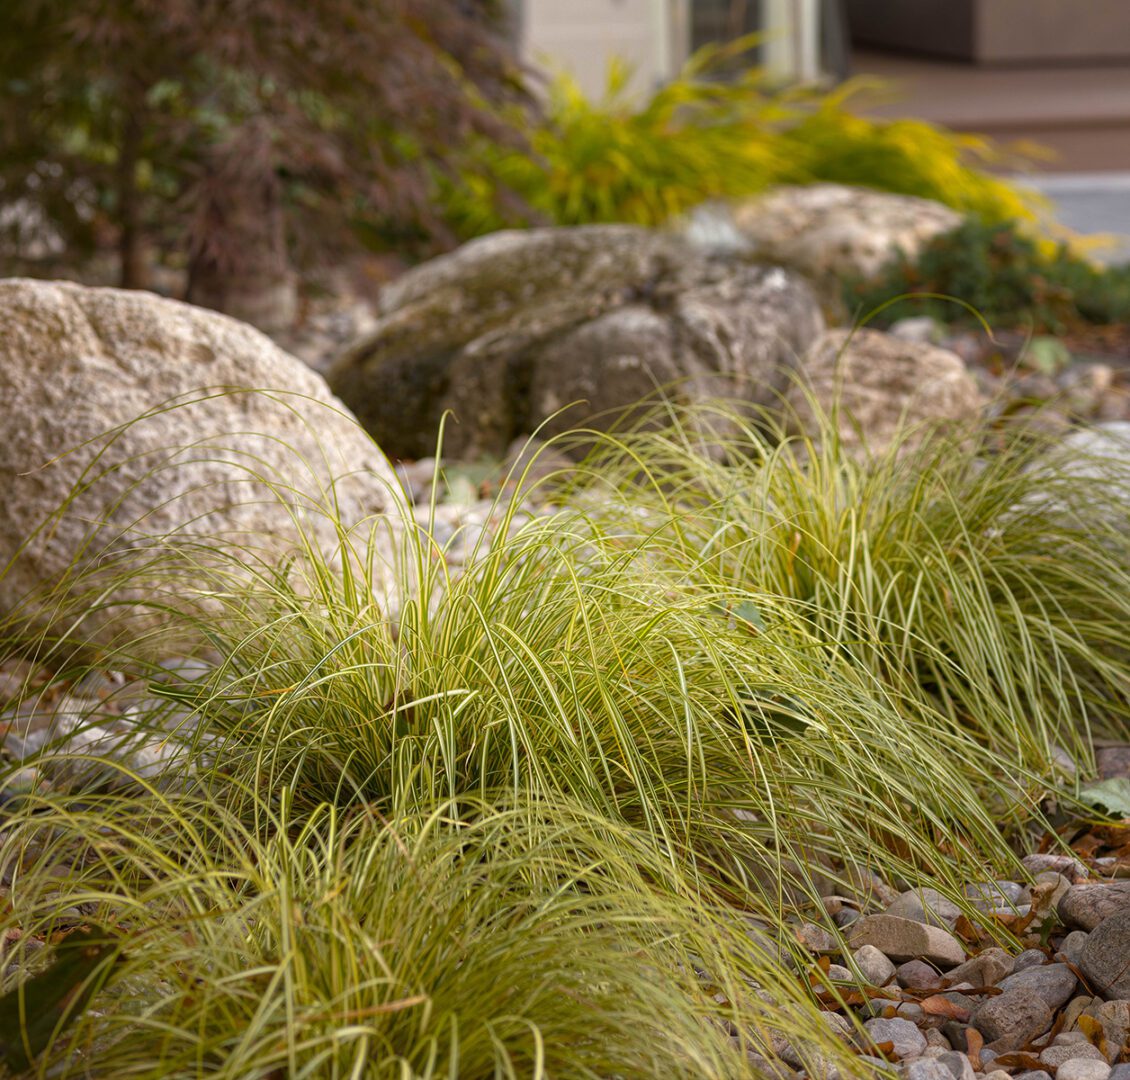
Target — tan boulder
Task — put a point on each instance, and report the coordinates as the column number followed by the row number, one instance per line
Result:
column 830, row 232
column 881, row 386
column 118, row 408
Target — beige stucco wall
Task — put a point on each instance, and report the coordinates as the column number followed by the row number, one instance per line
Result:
column 581, row 36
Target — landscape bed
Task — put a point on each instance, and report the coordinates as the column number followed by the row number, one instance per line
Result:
column 605, row 798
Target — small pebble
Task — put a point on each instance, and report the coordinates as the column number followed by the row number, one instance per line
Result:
column 816, row 938
column 958, row 1064
column 1069, row 1038
column 908, row 1040
column 1067, row 865
column 917, row 973
column 1071, row 947
column 925, row 906
column 1029, row 958
column 876, row 968
column 997, row 894
column 985, row 969
column 955, row 1032
column 1055, row 1056
column 923, row 1068
column 1083, row 1069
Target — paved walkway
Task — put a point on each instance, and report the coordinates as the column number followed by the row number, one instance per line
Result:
column 1092, row 203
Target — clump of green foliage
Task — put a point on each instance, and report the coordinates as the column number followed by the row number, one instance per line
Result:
column 518, row 825
column 613, row 160
column 1002, row 272
column 712, row 135
column 829, row 142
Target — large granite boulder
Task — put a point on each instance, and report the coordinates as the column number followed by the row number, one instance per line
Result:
column 516, row 325
column 880, row 388
column 828, row 232
column 80, row 366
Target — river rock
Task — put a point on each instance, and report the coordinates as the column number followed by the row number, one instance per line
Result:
column 1083, row 1069
column 231, row 468
column 1085, row 906
column 1012, row 1019
column 1105, row 958
column 927, row 906
column 1113, row 762
column 514, row 326
column 985, row 969
column 907, row 1039
column 882, row 387
column 875, row 967
column 1055, row 983
column 903, row 939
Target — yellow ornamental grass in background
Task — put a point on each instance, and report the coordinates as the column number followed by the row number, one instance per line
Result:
column 703, row 136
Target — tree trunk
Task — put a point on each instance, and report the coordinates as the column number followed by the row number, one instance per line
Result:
column 133, row 268
column 238, row 260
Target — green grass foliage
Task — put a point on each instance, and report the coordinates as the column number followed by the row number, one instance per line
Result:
column 548, row 814
column 1008, row 277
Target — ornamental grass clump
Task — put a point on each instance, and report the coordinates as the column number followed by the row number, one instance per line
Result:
column 981, row 578
column 555, row 811
column 718, row 130
column 533, row 941
column 581, row 657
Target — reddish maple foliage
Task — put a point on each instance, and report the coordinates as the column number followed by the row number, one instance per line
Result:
column 243, row 131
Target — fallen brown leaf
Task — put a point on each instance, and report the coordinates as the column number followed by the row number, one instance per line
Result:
column 974, row 1040
column 940, row 1006
column 1017, row 1060
column 887, row 1050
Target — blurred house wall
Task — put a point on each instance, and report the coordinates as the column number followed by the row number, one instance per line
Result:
column 655, row 37
column 582, row 36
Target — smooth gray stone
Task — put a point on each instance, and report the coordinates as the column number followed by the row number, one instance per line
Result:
column 925, row 1069
column 919, row 974
column 908, row 1040
column 925, row 906
column 1005, row 895
column 875, row 966
column 1083, row 1069
column 1072, row 947
column 1012, row 1019
column 1105, row 959
column 985, row 969
column 1055, row 983
column 1085, row 906
column 1029, row 958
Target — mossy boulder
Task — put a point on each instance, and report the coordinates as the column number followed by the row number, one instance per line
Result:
column 514, row 326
